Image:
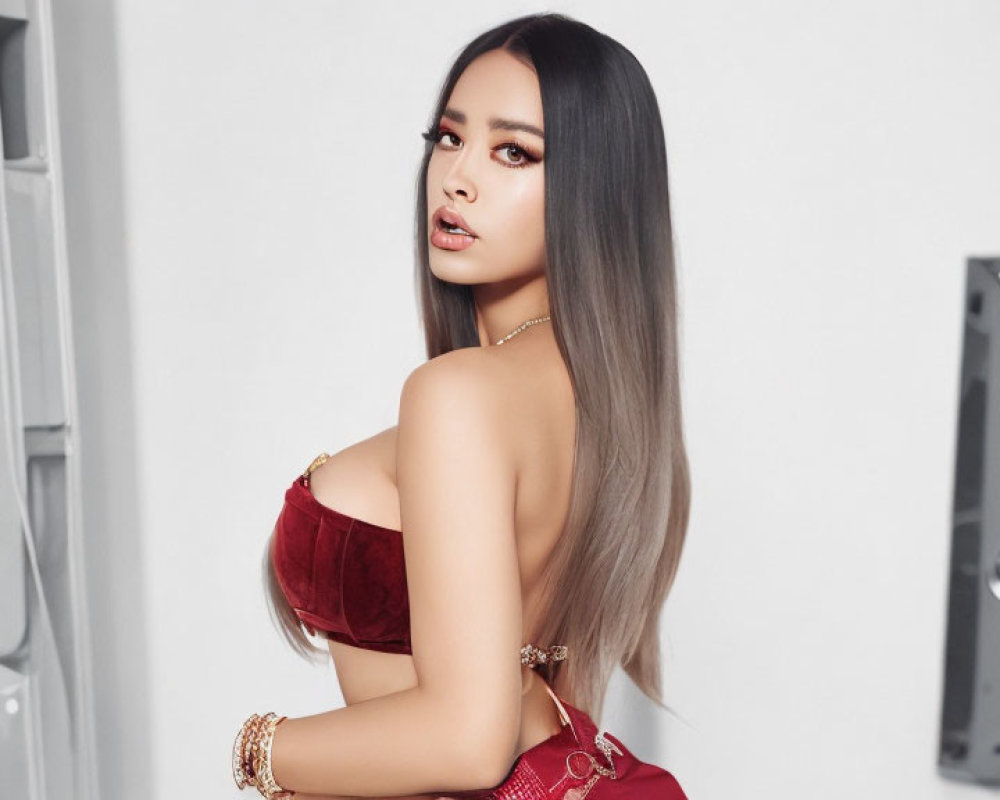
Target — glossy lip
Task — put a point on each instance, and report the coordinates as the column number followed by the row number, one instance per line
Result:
column 452, row 217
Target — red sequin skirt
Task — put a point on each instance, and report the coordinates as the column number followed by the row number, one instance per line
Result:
column 577, row 763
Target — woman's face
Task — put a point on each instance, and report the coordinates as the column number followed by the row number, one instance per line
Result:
column 487, row 166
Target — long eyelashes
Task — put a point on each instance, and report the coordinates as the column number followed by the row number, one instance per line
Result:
column 434, row 135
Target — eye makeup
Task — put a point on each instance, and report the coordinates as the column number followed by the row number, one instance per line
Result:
column 528, row 156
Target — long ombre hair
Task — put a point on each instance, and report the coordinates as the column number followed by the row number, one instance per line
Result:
column 613, row 302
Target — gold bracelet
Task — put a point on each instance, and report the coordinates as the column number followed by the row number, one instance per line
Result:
column 239, row 755
column 253, row 748
column 252, row 756
column 267, row 786
column 243, row 752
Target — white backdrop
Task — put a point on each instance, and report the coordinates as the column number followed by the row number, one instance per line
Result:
column 240, row 195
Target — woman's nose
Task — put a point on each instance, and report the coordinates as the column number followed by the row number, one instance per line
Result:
column 458, row 181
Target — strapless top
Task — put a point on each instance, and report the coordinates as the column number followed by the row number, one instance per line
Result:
column 341, row 575
column 346, row 577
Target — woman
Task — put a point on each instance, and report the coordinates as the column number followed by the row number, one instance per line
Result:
column 538, row 467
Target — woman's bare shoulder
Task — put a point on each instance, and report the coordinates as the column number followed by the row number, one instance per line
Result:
column 455, row 361
column 468, row 381
column 515, row 393
column 475, row 370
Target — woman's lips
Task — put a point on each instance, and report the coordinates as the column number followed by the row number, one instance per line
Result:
column 450, row 241
column 449, row 216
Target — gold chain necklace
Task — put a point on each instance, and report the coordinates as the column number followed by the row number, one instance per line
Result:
column 523, row 326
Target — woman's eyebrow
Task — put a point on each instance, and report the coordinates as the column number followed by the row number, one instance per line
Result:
column 496, row 123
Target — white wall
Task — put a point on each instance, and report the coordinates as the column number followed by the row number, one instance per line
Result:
column 238, row 310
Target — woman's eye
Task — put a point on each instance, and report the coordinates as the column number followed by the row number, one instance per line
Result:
column 437, row 136
column 517, row 156
column 520, row 155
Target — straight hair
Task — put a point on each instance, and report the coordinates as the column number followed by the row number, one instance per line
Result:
column 614, row 311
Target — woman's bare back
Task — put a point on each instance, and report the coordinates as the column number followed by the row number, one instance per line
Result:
column 360, row 481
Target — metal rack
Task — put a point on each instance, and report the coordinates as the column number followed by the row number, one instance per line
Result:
column 969, row 734
column 46, row 720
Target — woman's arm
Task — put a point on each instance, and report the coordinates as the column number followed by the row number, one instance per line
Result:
column 457, row 729
column 434, row 796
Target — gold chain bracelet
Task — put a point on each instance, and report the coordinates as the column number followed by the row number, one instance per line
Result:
column 252, row 756
column 532, row 655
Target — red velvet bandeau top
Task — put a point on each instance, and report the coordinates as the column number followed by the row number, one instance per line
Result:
column 346, row 577
column 341, row 575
